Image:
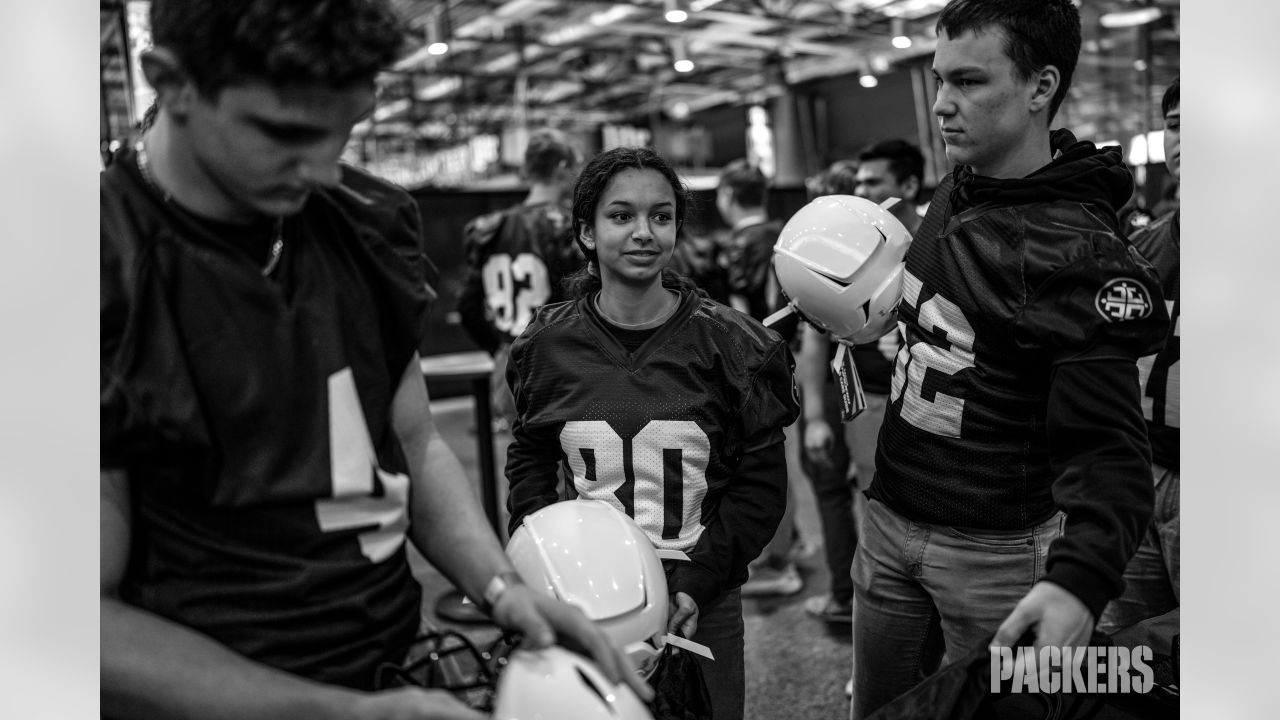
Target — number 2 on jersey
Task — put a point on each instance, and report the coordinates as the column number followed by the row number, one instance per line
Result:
column 673, row 452
column 920, row 362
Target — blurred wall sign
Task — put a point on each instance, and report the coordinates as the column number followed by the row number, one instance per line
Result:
column 612, row 136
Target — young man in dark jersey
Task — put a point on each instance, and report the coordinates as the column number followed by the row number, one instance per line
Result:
column 1013, row 469
column 518, row 257
column 1151, row 581
column 658, row 401
column 267, row 443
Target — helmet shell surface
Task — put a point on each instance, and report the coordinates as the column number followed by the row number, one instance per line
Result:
column 556, row 684
column 593, row 556
column 839, row 260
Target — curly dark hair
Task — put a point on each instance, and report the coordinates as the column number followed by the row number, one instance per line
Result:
column 591, row 184
column 1037, row 33
column 338, row 43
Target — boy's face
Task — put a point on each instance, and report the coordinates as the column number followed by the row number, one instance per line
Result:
column 877, row 183
column 261, row 149
column 1172, row 141
column 983, row 107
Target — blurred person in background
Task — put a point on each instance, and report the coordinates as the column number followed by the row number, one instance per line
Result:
column 1151, row 580
column 889, row 169
column 518, row 256
column 747, row 259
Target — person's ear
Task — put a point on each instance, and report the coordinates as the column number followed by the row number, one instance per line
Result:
column 1043, row 87
column 175, row 90
column 911, row 188
column 585, row 237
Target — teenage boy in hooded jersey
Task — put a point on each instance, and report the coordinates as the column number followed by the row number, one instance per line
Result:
column 1013, row 469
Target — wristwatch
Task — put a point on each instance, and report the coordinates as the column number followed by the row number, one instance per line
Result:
column 498, row 585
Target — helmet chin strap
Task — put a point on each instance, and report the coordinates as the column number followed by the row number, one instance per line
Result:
column 777, row 317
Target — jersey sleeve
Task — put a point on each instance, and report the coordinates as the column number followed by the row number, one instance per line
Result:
column 1102, row 305
column 1092, row 320
column 772, row 399
column 477, row 238
column 146, row 398
column 534, row 453
column 754, row 502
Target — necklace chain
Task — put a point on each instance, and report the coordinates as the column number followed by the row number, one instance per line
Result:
column 652, row 321
column 148, row 176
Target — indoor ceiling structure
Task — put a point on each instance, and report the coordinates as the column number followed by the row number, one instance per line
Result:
column 578, row 64
column 587, row 62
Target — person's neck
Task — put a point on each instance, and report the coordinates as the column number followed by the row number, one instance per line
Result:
column 906, row 213
column 544, row 193
column 1032, row 152
column 743, row 217
column 179, row 176
column 636, row 308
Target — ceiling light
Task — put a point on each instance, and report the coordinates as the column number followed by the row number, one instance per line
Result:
column 680, row 56
column 867, row 80
column 900, row 39
column 675, row 11
column 1130, row 18
column 438, row 31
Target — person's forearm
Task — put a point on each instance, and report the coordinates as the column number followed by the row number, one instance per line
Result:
column 1102, row 468
column 811, row 372
column 154, row 668
column 450, row 528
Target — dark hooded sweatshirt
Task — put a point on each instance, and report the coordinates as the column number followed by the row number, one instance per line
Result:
column 1025, row 312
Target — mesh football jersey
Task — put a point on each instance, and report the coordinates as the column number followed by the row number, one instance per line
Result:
column 1159, row 374
column 657, row 433
column 993, row 296
column 252, row 415
column 518, row 256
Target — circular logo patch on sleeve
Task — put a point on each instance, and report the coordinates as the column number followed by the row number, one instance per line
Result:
column 1123, row 299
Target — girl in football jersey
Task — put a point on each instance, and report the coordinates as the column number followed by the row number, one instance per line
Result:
column 659, row 401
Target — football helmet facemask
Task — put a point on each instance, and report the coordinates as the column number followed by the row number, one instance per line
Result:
column 839, row 261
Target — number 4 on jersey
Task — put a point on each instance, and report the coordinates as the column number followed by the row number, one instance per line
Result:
column 353, row 466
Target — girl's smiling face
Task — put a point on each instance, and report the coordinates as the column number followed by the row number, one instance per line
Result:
column 634, row 229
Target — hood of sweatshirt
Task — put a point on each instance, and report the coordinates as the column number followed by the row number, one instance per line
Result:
column 1079, row 171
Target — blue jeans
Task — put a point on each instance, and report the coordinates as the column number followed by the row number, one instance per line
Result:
column 1151, row 577
column 720, row 628
column 922, row 591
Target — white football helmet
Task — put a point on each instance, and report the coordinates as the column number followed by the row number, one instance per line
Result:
column 555, row 684
column 593, row 556
column 839, row 260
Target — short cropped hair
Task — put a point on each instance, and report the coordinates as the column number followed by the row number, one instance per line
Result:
column 547, row 151
column 747, row 183
column 1172, row 97
column 905, row 159
column 1037, row 33
column 339, row 43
